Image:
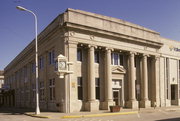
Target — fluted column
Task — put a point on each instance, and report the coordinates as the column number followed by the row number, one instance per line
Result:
column 108, row 76
column 132, row 103
column 108, row 81
column 92, row 104
column 144, row 99
column 145, row 77
column 132, row 78
column 91, row 74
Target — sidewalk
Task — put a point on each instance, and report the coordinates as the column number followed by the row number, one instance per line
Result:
column 58, row 115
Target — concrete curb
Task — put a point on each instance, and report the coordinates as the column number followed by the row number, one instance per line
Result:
column 99, row 115
column 37, row 116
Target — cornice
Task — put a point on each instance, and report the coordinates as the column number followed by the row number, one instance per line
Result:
column 156, row 44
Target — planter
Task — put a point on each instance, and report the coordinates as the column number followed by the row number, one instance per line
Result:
column 115, row 108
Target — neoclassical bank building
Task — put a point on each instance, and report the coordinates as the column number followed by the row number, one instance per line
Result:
column 113, row 62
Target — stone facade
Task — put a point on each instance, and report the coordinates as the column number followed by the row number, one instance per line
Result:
column 114, row 63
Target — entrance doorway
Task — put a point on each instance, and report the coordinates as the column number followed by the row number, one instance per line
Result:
column 174, row 94
column 118, row 92
column 116, row 97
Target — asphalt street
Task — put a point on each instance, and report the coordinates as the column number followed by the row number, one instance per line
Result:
column 158, row 115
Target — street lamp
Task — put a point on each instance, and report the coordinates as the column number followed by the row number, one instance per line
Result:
column 36, row 57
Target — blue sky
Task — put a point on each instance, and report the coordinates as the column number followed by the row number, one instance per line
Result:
column 17, row 27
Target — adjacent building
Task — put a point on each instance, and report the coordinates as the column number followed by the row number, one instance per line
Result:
column 115, row 62
column 6, row 93
column 1, row 79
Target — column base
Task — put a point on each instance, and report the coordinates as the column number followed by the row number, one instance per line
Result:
column 155, row 103
column 92, row 105
column 145, row 104
column 178, row 102
column 167, row 103
column 105, row 105
column 132, row 104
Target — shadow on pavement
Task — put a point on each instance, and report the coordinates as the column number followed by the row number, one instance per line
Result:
column 14, row 111
column 170, row 119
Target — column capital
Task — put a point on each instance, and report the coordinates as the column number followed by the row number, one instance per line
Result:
column 132, row 53
column 156, row 57
column 111, row 49
column 92, row 46
column 145, row 55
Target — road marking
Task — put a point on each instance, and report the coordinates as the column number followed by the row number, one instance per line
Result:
column 99, row 115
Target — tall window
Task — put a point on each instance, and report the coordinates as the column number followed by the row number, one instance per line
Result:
column 25, row 74
column 117, row 59
column 51, row 57
column 121, row 59
column 97, row 88
column 41, row 91
column 80, row 88
column 33, row 67
column 96, row 56
column 41, row 62
column 135, row 61
column 52, row 89
column 79, row 54
column 33, row 92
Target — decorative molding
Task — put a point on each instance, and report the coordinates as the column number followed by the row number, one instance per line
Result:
column 71, row 33
column 118, row 70
column 111, row 49
column 91, row 37
column 89, row 46
column 144, row 54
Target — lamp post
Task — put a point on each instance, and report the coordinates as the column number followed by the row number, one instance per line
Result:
column 36, row 57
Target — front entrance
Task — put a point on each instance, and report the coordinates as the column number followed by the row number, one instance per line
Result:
column 118, row 85
column 174, row 94
column 116, row 97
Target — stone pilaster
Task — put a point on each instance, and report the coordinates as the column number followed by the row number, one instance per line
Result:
column 155, row 98
column 70, row 92
column 132, row 102
column 144, row 99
